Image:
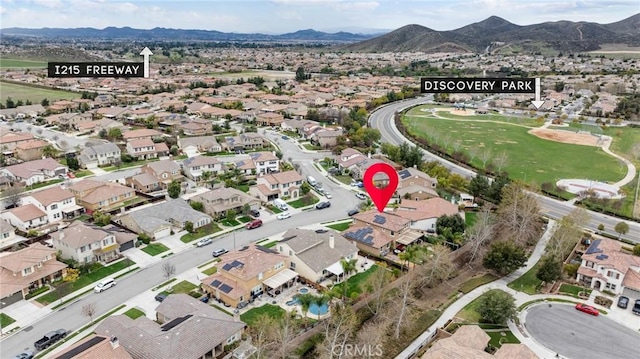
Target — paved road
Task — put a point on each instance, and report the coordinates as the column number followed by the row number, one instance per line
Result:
column 54, row 136
column 574, row 334
column 70, row 318
column 382, row 119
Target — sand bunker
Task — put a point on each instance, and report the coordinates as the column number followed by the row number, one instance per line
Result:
column 566, row 137
column 458, row 111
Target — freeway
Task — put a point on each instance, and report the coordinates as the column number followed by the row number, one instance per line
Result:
column 382, row 119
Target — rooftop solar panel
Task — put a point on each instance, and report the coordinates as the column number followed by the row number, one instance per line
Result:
column 593, row 248
column 226, row 288
column 404, row 174
column 81, row 348
column 175, row 322
column 216, row 283
column 379, row 219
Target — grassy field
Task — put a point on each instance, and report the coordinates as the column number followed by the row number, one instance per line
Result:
column 528, row 282
column 624, row 138
column 16, row 63
column 210, row 271
column 153, row 249
column 475, row 282
column 355, row 283
column 201, row 232
column 252, row 315
column 33, row 94
column 529, row 158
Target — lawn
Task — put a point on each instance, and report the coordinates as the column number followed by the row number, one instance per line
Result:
column 469, row 313
column 573, row 290
column 33, row 94
column 354, row 283
column 153, row 249
column 311, row 147
column 344, row 179
column 210, row 271
column 529, row 158
column 470, row 218
column 252, row 315
column 269, row 244
column 87, row 279
column 623, row 138
column 527, row 283
column 134, row 313
column 304, row 201
column 475, row 282
column 244, row 219
column 497, row 339
column 183, row 287
column 44, row 184
column 14, row 63
column 230, row 223
column 83, row 173
column 5, row 320
column 202, row 231
column 339, row 226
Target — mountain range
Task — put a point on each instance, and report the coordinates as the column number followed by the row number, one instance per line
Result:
column 496, row 33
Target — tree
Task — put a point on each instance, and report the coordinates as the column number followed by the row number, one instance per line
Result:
column 505, row 257
column 174, row 189
column 348, row 267
column 114, row 134
column 300, row 75
column 337, row 330
column 454, row 222
column 89, row 310
column 72, row 275
column 284, row 331
column 496, row 307
column 198, row 206
column 621, row 228
column 375, row 287
column 168, row 269
column 484, row 156
column 550, row 269
column 481, row 233
column 501, row 160
column 636, row 250
column 305, row 300
column 73, row 163
column 12, row 196
column 188, row 225
column 479, row 186
column 231, row 215
column 44, row 102
column 50, row 151
column 404, row 297
column 437, row 267
column 261, row 335
column 567, row 233
column 519, row 214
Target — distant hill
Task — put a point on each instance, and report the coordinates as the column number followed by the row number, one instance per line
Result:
column 494, row 32
column 161, row 34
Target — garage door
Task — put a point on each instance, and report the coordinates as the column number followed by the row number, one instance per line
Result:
column 15, row 297
column 127, row 245
column 631, row 293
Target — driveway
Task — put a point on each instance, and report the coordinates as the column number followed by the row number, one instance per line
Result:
column 577, row 335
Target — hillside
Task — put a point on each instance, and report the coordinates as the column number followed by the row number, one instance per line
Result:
column 563, row 36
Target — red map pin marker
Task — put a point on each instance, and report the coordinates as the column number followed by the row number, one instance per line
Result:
column 380, row 196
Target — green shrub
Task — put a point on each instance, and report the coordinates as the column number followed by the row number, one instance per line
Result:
column 36, row 292
column 144, row 238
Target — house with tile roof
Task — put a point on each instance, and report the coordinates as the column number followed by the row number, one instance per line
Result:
column 31, row 150
column 96, row 195
column 184, row 328
column 144, row 182
column 245, row 141
column 424, row 214
column 145, row 148
column 265, row 162
column 26, row 270
column 378, row 233
column 85, row 243
column 247, row 273
column 416, row 185
column 193, row 167
column 281, row 185
column 317, row 256
column 36, row 171
column 26, row 217
column 10, row 139
column 165, row 171
column 199, row 144
column 103, row 154
column 217, row 202
column 58, row 203
column 8, row 234
column 95, row 347
column 145, row 133
column 605, row 266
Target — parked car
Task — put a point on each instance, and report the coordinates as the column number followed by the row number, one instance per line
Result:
column 623, row 302
column 353, row 212
column 50, row 339
column 636, row 307
column 254, row 213
column 285, row 138
column 328, row 195
column 587, row 309
column 160, row 297
column 204, row 242
column 104, row 285
column 24, row 355
column 321, row 230
column 220, row 251
column 361, row 195
column 284, row 215
column 323, row 205
column 254, row 224
column 204, row 299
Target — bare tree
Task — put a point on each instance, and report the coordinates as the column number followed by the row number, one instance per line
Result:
column 375, row 286
column 518, row 214
column 369, row 338
column 480, row 234
column 12, row 196
column 484, row 155
column 89, row 310
column 168, row 269
column 567, row 233
column 338, row 329
column 261, row 333
column 501, row 160
column 437, row 267
column 404, row 299
column 456, row 145
column 284, row 331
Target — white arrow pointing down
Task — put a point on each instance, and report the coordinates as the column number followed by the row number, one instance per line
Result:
column 537, row 103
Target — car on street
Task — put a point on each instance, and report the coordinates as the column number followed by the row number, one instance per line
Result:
column 160, row 297
column 623, row 302
column 50, row 338
column 361, row 195
column 636, row 307
column 218, row 252
column 323, row 205
column 328, row 195
column 104, row 285
column 24, row 355
column 321, row 230
column 353, row 212
column 285, row 138
column 284, row 215
column 587, row 309
column 254, row 224
column 204, row 242
column 254, row 213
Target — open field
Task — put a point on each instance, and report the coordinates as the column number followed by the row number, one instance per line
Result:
column 529, row 158
column 624, row 138
column 17, row 63
column 33, row 94
column 267, row 75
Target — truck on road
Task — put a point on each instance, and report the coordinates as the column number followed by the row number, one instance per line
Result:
column 50, row 339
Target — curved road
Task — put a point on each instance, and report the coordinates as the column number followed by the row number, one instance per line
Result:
column 574, row 334
column 382, row 119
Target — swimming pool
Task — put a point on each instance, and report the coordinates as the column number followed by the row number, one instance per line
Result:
column 304, row 290
column 314, row 308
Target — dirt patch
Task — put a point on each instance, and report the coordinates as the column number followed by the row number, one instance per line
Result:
column 565, row 136
column 459, row 111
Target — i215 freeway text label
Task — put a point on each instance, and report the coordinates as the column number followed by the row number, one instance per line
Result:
column 95, row 69
column 477, row 85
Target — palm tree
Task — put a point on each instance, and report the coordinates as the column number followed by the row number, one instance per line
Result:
column 50, row 151
column 320, row 300
column 412, row 254
column 305, row 300
column 206, row 176
column 348, row 266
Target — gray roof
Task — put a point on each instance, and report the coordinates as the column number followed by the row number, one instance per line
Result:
column 313, row 248
column 175, row 210
column 193, row 329
column 102, row 148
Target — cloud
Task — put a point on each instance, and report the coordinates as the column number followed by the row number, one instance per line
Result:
column 50, row 4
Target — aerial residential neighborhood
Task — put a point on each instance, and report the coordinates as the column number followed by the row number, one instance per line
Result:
column 221, row 203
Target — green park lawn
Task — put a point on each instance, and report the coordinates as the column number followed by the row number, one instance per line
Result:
column 153, row 249
column 529, row 158
column 304, row 201
column 16, row 63
column 33, row 94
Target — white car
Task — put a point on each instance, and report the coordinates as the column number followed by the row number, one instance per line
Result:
column 104, row 285
column 284, row 215
column 204, row 242
column 361, row 195
column 328, row 195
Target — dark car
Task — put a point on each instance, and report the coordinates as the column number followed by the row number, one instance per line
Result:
column 162, row 296
column 322, row 230
column 623, row 302
column 587, row 309
column 254, row 213
column 204, row 299
column 636, row 307
column 323, row 205
column 353, row 212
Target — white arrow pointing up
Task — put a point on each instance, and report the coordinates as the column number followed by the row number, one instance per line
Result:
column 146, row 53
column 537, row 103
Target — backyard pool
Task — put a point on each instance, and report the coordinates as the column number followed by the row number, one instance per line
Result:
column 314, row 308
column 304, row 290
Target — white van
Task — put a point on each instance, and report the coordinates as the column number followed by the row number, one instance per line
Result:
column 104, row 285
column 312, row 181
column 280, row 204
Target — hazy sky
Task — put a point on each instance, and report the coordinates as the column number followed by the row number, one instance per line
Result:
column 280, row 16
